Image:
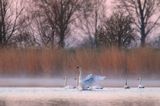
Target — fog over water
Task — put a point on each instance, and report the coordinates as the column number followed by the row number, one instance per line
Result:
column 59, row 82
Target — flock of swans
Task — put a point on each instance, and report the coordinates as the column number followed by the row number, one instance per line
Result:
column 90, row 81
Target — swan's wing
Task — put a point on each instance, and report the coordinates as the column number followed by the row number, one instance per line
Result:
column 88, row 77
column 98, row 78
column 89, row 80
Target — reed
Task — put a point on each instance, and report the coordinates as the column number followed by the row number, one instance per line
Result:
column 105, row 61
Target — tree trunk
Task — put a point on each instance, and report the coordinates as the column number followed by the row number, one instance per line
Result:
column 1, row 40
column 143, row 37
column 52, row 39
column 143, row 42
column 61, row 41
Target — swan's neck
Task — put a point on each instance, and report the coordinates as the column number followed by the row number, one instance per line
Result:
column 80, row 78
column 140, row 80
column 126, row 83
column 65, row 81
column 80, row 75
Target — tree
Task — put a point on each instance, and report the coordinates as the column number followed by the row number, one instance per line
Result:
column 8, row 20
column 92, row 15
column 116, row 31
column 60, row 14
column 143, row 11
column 44, row 29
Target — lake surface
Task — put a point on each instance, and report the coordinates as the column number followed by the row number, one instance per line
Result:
column 41, row 96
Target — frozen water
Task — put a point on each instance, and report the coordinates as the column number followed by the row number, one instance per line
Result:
column 43, row 92
column 72, row 97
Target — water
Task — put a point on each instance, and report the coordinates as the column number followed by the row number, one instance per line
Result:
column 25, row 96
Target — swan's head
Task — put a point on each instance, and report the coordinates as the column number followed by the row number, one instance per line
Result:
column 77, row 67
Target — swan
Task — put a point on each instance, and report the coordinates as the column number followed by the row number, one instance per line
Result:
column 88, row 81
column 140, row 83
column 66, row 86
column 65, row 81
column 126, row 85
column 79, row 79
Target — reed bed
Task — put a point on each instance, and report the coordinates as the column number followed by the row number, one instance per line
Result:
column 52, row 62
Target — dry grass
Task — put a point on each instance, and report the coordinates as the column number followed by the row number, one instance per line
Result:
column 52, row 62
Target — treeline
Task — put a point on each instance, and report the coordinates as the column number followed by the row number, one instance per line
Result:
column 54, row 23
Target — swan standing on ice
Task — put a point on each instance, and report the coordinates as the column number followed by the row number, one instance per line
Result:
column 79, row 79
column 126, row 85
column 65, row 81
column 140, row 83
column 66, row 86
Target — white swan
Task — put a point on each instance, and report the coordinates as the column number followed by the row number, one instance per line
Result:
column 140, row 83
column 126, row 85
column 79, row 79
column 66, row 86
column 88, row 81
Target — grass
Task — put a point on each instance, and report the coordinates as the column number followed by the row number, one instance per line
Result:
column 105, row 61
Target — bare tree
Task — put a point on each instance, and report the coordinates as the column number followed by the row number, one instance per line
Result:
column 25, row 36
column 8, row 20
column 92, row 15
column 60, row 14
column 143, row 12
column 116, row 31
column 43, row 20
